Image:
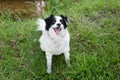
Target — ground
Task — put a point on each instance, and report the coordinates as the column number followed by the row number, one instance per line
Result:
column 94, row 27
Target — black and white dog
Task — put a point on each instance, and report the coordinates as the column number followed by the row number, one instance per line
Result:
column 55, row 38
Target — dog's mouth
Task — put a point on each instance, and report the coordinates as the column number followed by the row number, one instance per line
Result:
column 57, row 30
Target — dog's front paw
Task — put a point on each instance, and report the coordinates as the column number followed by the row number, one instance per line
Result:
column 68, row 65
column 49, row 71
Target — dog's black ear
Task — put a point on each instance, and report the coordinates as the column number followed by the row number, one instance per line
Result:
column 51, row 15
column 64, row 18
column 49, row 22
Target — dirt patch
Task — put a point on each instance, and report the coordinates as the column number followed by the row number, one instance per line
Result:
column 22, row 7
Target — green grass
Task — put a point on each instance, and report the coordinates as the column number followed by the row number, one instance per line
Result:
column 94, row 26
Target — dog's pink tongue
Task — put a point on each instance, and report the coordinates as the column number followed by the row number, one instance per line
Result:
column 57, row 31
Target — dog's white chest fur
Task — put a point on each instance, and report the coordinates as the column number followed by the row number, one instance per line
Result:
column 55, row 46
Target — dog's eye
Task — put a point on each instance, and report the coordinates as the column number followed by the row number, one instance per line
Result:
column 61, row 21
column 54, row 21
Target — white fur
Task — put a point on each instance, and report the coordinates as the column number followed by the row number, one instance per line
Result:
column 41, row 25
column 54, row 44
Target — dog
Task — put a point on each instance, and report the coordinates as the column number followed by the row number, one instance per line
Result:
column 55, row 38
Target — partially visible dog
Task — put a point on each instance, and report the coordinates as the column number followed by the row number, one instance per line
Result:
column 55, row 38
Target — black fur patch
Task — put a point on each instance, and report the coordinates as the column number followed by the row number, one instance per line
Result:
column 65, row 20
column 49, row 22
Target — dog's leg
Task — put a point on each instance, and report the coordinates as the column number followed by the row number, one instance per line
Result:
column 67, row 58
column 49, row 62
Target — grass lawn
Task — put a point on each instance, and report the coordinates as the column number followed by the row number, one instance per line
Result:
column 94, row 27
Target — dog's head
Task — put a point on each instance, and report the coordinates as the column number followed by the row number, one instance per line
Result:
column 56, row 25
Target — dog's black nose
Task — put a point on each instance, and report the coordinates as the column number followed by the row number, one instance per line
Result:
column 58, row 24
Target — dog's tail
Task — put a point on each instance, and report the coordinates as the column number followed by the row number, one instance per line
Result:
column 40, row 25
